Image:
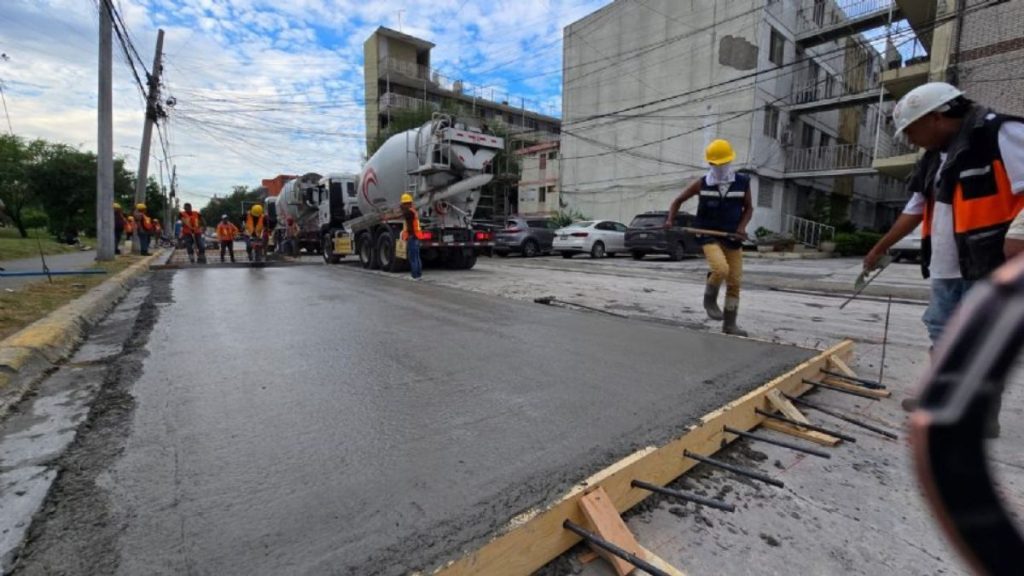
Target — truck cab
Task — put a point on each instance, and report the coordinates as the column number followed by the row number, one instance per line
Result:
column 336, row 198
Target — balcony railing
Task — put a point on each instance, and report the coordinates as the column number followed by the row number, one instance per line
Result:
column 808, row 90
column 817, row 15
column 392, row 101
column 828, row 158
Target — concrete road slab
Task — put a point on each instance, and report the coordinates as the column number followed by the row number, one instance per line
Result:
column 323, row 420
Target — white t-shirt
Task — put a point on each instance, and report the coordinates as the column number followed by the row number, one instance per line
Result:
column 945, row 263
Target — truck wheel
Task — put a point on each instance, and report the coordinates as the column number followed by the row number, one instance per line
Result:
column 364, row 247
column 386, row 252
column 597, row 251
column 638, row 255
column 468, row 261
column 328, row 250
column 459, row 260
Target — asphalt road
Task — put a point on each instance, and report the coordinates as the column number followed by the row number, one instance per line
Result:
column 322, row 420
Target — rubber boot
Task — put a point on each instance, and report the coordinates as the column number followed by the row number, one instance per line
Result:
column 711, row 302
column 729, row 324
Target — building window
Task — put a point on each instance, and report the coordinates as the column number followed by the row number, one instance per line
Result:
column 825, row 142
column 771, row 121
column 766, row 194
column 543, row 194
column 543, row 162
column 778, row 48
column 819, row 12
column 807, row 136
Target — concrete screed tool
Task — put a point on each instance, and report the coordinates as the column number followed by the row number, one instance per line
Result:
column 866, row 278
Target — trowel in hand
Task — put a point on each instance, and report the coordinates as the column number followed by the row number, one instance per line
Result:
column 867, row 277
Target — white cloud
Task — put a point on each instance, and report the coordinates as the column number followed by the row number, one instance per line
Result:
column 263, row 86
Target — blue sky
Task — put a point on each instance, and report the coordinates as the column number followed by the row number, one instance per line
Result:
column 264, row 86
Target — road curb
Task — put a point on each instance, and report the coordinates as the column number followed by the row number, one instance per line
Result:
column 36, row 349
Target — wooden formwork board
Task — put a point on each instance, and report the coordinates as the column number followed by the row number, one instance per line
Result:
column 531, row 542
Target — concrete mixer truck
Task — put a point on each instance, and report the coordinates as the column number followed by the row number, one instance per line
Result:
column 443, row 164
column 299, row 200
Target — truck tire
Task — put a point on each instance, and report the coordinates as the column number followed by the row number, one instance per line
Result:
column 385, row 251
column 638, row 255
column 460, row 260
column 328, row 250
column 364, row 247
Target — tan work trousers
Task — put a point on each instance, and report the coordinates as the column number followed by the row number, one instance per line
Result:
column 726, row 264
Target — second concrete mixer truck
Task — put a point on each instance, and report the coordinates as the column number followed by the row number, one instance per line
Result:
column 443, row 164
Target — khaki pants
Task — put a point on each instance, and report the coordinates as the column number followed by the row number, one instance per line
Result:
column 726, row 264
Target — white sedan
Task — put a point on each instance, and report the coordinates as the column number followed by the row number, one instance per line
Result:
column 599, row 238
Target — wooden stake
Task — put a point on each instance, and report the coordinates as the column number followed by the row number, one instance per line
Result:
column 606, row 523
column 783, row 405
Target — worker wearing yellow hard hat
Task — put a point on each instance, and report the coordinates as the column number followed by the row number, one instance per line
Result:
column 724, row 209
column 144, row 228
column 411, row 234
column 255, row 227
column 119, row 223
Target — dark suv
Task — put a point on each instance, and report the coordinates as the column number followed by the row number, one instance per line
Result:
column 528, row 236
column 647, row 235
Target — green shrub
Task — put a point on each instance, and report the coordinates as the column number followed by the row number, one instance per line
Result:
column 567, row 217
column 856, row 243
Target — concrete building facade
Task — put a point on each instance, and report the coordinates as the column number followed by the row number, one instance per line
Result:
column 793, row 85
column 539, row 181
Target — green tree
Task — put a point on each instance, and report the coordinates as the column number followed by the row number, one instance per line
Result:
column 64, row 180
column 16, row 193
column 233, row 205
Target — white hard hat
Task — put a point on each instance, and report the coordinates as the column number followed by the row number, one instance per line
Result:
column 930, row 97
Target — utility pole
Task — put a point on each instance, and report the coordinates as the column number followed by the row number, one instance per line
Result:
column 152, row 100
column 105, row 141
column 172, row 203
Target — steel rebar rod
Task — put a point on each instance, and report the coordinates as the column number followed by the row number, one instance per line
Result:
column 734, row 469
column 782, row 443
column 595, row 540
column 843, row 390
column 865, row 383
column 842, row 417
column 687, row 496
column 813, row 427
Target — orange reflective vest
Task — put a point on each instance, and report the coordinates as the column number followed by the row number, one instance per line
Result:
column 227, row 231
column 129, row 227
column 254, row 226
column 974, row 181
column 415, row 225
column 147, row 222
column 190, row 224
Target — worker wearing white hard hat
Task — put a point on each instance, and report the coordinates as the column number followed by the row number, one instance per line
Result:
column 724, row 209
column 968, row 195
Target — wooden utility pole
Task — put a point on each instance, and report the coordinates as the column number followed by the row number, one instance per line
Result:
column 105, row 141
column 152, row 101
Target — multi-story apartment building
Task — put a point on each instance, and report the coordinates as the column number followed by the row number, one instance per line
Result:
column 977, row 45
column 794, row 85
column 539, row 180
column 399, row 77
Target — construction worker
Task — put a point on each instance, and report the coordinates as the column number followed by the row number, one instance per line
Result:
column 725, row 206
column 255, row 227
column 967, row 197
column 226, row 234
column 290, row 246
column 158, row 230
column 144, row 224
column 192, row 234
column 119, row 223
column 129, row 227
column 411, row 236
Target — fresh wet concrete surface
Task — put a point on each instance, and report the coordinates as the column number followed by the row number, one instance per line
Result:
column 321, row 420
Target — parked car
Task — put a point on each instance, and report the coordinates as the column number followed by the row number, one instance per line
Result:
column 647, row 235
column 908, row 248
column 527, row 236
column 599, row 238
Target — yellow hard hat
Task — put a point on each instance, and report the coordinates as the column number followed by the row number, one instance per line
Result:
column 140, row 206
column 406, row 198
column 257, row 210
column 117, row 206
column 132, row 218
column 719, row 152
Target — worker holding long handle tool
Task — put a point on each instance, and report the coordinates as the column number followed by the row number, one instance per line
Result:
column 967, row 197
column 723, row 212
column 192, row 234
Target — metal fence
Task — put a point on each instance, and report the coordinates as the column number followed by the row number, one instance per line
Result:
column 809, row 232
column 816, row 15
column 392, row 101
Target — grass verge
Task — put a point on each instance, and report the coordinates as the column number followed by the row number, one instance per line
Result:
column 14, row 247
column 25, row 305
